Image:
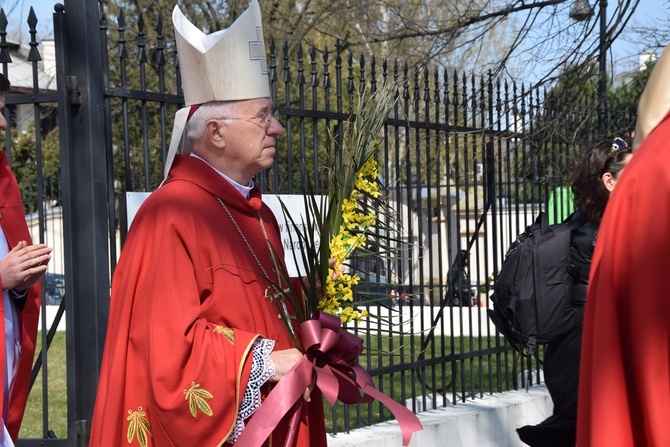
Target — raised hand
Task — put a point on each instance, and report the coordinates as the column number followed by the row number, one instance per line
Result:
column 24, row 265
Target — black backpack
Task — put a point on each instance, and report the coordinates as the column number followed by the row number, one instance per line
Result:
column 532, row 294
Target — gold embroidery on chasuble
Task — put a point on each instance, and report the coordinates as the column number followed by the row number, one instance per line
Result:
column 227, row 332
column 139, row 427
column 196, row 400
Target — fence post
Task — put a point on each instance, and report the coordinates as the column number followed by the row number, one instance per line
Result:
column 84, row 178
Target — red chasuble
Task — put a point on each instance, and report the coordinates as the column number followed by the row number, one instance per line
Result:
column 624, row 389
column 188, row 300
column 14, row 225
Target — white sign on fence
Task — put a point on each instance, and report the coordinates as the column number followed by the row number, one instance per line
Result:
column 295, row 207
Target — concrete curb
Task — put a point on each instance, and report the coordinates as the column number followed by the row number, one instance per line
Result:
column 487, row 422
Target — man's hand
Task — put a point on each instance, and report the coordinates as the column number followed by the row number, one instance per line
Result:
column 284, row 361
column 24, row 265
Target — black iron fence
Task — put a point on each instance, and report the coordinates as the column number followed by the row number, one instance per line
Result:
column 467, row 160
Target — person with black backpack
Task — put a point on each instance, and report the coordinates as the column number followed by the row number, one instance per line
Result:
column 593, row 180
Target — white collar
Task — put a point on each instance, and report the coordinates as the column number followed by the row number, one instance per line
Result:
column 245, row 190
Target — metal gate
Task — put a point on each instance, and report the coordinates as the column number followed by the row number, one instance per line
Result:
column 74, row 97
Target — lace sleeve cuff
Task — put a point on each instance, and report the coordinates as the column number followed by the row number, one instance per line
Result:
column 262, row 369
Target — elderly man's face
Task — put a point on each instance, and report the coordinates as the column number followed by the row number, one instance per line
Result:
column 250, row 139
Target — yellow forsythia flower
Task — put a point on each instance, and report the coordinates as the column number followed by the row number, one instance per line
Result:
column 345, row 242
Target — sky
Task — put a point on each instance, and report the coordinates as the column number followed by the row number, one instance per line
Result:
column 18, row 16
column 648, row 13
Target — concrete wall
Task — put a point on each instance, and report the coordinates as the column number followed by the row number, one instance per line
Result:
column 51, row 315
column 487, row 422
column 466, row 321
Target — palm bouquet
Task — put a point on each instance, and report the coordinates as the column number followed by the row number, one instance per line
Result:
column 336, row 225
column 353, row 218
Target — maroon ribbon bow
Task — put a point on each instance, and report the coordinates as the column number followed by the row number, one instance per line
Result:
column 331, row 353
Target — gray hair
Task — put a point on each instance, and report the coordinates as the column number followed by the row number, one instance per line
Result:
column 195, row 126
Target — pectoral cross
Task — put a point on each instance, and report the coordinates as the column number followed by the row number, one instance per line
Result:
column 279, row 296
column 273, row 296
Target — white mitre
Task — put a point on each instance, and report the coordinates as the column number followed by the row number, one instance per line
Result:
column 227, row 65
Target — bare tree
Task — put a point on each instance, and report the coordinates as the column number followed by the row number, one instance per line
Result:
column 654, row 33
column 525, row 39
column 10, row 6
column 535, row 39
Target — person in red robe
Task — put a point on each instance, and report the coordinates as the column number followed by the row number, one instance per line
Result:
column 199, row 328
column 22, row 264
column 624, row 389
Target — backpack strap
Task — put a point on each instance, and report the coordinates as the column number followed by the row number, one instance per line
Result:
column 542, row 220
column 542, row 223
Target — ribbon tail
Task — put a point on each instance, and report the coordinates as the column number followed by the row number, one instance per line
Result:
column 285, row 397
column 293, row 424
column 327, row 383
column 407, row 420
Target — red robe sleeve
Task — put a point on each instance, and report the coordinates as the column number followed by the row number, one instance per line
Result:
column 624, row 389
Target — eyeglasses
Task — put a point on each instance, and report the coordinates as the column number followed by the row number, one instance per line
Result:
column 265, row 118
column 618, row 144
